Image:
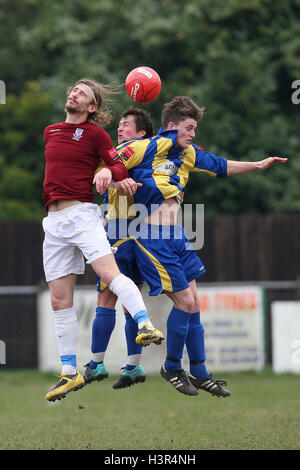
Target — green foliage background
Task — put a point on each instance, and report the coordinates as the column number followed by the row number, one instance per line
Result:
column 237, row 58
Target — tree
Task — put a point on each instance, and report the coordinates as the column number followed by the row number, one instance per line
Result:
column 237, row 58
column 22, row 120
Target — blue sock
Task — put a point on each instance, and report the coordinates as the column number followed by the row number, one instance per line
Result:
column 195, row 346
column 93, row 364
column 140, row 316
column 131, row 330
column 69, row 360
column 177, row 328
column 103, row 325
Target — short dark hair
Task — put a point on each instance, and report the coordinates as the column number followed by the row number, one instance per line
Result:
column 143, row 120
column 181, row 107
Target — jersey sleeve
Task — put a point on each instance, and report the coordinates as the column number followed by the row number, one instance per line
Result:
column 45, row 134
column 133, row 153
column 209, row 163
column 109, row 156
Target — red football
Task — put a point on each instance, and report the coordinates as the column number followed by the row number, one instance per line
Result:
column 143, row 84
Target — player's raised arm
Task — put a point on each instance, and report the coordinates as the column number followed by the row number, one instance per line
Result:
column 238, row 167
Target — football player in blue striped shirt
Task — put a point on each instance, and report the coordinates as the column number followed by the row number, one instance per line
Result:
column 164, row 256
column 135, row 123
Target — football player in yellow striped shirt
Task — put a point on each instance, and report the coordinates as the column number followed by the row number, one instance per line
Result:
column 134, row 123
column 164, row 255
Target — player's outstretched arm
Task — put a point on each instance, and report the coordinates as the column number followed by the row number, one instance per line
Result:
column 238, row 168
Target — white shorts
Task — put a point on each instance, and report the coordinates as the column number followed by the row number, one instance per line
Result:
column 71, row 235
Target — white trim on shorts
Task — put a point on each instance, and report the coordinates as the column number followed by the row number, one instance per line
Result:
column 72, row 234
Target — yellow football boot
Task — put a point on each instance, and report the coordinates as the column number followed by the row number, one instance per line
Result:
column 67, row 384
column 147, row 335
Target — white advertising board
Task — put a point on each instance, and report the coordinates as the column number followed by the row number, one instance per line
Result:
column 286, row 336
column 232, row 318
column 116, row 354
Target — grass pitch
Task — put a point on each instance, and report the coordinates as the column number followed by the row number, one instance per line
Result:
column 262, row 413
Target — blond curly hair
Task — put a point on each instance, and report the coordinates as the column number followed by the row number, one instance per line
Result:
column 104, row 95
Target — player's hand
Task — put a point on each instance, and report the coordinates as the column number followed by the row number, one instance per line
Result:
column 128, row 186
column 102, row 180
column 267, row 162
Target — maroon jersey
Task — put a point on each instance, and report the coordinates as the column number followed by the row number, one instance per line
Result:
column 73, row 152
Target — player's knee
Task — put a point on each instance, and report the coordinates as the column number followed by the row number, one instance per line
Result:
column 197, row 304
column 60, row 302
column 106, row 268
column 106, row 298
column 190, row 305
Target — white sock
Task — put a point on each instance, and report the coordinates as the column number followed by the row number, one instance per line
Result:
column 66, row 331
column 98, row 357
column 67, row 369
column 143, row 323
column 128, row 294
column 134, row 360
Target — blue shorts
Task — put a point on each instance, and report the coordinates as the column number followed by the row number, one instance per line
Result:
column 166, row 258
column 117, row 234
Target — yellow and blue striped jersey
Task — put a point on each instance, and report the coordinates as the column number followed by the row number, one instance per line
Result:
column 120, row 205
column 163, row 169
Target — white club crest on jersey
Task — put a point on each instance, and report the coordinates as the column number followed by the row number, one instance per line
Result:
column 78, row 133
